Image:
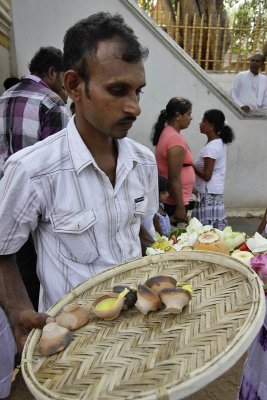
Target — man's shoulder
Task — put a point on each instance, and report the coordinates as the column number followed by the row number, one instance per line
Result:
column 214, row 144
column 43, row 156
column 30, row 89
column 263, row 77
column 242, row 74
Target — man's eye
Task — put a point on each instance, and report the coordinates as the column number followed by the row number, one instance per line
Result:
column 117, row 91
column 139, row 91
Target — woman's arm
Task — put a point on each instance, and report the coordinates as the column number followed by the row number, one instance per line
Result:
column 206, row 174
column 157, row 224
column 176, row 157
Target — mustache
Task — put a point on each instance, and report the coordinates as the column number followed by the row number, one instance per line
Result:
column 127, row 120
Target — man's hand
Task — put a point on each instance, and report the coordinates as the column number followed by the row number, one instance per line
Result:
column 28, row 320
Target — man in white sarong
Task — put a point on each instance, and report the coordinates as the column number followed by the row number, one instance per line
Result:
column 249, row 88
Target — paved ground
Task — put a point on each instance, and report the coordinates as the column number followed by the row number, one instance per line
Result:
column 248, row 225
column 223, row 388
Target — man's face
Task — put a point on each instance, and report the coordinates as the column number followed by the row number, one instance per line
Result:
column 56, row 81
column 114, row 92
column 256, row 64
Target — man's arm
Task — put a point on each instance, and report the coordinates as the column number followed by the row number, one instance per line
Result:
column 15, row 302
column 235, row 90
column 235, row 93
column 146, row 239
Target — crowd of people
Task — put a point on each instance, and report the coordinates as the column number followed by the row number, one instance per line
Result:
column 74, row 190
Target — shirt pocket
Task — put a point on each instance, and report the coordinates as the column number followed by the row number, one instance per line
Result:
column 74, row 232
column 140, row 205
column 139, row 210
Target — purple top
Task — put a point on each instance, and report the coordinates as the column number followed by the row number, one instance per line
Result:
column 29, row 111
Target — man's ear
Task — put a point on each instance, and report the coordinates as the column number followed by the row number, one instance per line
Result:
column 73, row 84
column 52, row 73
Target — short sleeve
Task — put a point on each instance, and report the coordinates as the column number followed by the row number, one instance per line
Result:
column 176, row 140
column 213, row 151
column 19, row 208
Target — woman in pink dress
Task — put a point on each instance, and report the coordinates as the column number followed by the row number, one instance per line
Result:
column 174, row 157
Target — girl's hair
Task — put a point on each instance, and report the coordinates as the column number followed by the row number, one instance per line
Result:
column 164, row 184
column 217, row 118
column 176, row 104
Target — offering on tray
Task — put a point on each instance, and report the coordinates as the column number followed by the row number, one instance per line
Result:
column 147, row 299
column 130, row 298
column 211, row 241
column 109, row 305
column 175, row 299
column 73, row 317
column 54, row 339
column 194, row 237
column 159, row 282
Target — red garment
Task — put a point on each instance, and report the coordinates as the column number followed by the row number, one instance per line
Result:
column 168, row 139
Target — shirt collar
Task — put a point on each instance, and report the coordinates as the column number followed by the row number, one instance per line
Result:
column 36, row 79
column 252, row 75
column 82, row 157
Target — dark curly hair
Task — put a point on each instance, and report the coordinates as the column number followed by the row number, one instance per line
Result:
column 45, row 58
column 82, row 39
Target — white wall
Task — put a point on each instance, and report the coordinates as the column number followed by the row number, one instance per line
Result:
column 170, row 72
column 223, row 79
column 4, row 67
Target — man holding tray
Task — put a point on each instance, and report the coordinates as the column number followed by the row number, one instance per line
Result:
column 82, row 192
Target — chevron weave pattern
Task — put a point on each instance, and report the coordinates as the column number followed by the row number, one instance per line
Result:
column 157, row 356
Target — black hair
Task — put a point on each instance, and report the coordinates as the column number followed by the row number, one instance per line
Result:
column 217, row 118
column 9, row 82
column 72, row 107
column 164, row 184
column 260, row 55
column 82, row 39
column 176, row 104
column 45, row 58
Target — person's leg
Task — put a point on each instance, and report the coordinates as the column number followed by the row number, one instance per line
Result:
column 253, row 384
column 7, row 356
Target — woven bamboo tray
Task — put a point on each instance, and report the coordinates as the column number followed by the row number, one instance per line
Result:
column 158, row 356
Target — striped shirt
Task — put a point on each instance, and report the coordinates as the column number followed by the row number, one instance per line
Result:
column 82, row 224
column 30, row 111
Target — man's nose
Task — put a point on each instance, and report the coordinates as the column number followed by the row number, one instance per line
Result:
column 132, row 106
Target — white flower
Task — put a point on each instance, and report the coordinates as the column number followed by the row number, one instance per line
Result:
column 257, row 244
column 151, row 252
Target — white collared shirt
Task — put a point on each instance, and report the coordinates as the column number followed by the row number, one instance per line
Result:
column 81, row 224
column 249, row 90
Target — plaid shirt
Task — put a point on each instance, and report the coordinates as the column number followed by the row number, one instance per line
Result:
column 30, row 111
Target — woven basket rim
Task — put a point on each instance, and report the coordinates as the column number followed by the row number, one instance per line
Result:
column 199, row 377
